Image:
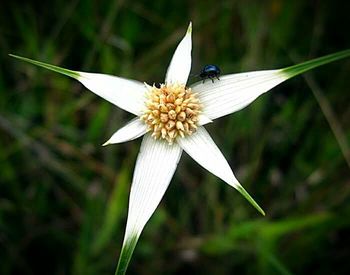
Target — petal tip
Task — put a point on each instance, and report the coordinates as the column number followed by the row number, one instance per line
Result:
column 126, row 253
column 70, row 73
column 249, row 198
column 189, row 29
column 106, row 143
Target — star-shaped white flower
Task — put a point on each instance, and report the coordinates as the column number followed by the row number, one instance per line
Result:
column 171, row 118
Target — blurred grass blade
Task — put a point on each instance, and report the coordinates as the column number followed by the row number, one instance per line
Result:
column 114, row 211
column 331, row 117
column 308, row 65
column 277, row 264
column 56, row 69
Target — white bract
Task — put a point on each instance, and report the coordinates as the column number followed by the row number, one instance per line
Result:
column 171, row 118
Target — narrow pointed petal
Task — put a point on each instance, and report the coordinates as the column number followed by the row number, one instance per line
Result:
column 134, row 129
column 202, row 149
column 124, row 93
column 235, row 91
column 180, row 65
column 155, row 166
column 127, row 94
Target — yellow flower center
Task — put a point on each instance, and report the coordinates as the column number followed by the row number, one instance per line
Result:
column 171, row 111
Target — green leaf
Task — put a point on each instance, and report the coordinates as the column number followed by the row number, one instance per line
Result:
column 114, row 210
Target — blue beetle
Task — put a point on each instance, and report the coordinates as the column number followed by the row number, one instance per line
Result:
column 211, row 72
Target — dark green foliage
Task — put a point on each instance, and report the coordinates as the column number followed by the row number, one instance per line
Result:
column 63, row 197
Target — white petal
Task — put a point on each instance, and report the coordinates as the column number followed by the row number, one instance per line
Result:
column 134, row 129
column 128, row 95
column 235, row 91
column 203, row 119
column 180, row 65
column 202, row 149
column 155, row 166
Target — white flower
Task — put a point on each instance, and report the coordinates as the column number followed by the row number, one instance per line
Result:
column 171, row 118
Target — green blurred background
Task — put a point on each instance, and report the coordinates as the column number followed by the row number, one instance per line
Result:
column 63, row 197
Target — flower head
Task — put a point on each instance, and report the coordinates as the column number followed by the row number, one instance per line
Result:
column 171, row 118
column 171, row 111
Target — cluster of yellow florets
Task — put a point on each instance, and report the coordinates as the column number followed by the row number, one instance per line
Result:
column 172, row 111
